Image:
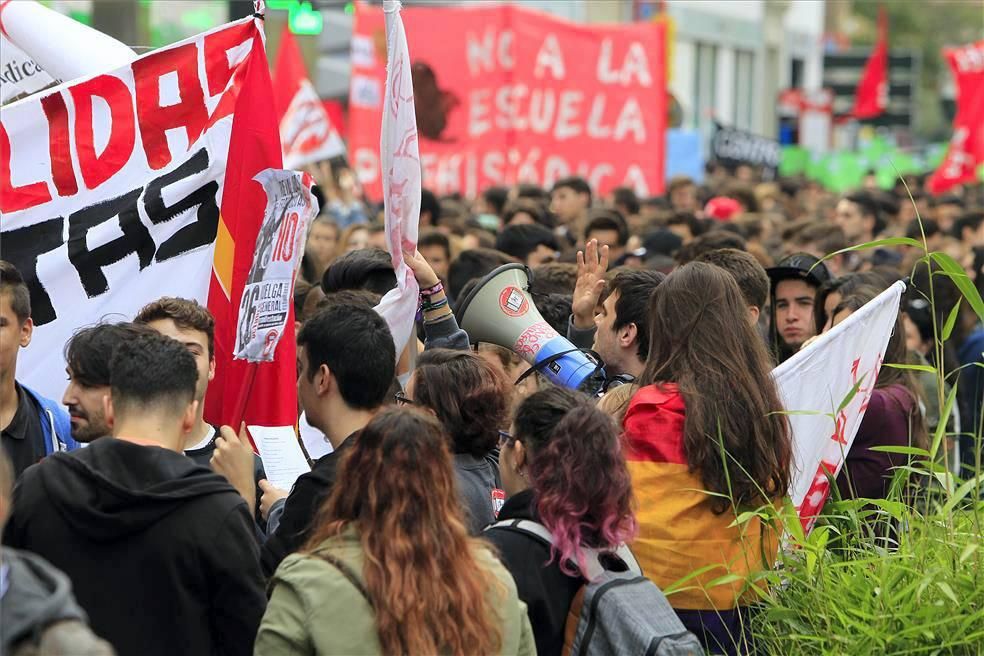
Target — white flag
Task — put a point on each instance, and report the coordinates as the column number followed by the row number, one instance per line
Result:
column 817, row 380
column 401, row 178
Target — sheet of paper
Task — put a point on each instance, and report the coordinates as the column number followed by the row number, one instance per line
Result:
column 315, row 442
column 283, row 459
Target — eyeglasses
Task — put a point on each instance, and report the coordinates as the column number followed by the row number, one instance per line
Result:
column 505, row 438
column 403, row 399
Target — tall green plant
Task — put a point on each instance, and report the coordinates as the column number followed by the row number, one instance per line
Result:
column 901, row 575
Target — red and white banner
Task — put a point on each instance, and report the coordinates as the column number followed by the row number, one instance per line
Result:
column 966, row 151
column 401, row 179
column 306, row 131
column 110, row 195
column 507, row 94
column 813, row 385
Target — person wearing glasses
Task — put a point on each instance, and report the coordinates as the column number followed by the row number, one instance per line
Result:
column 470, row 397
column 563, row 468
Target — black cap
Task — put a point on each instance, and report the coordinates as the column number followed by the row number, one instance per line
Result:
column 661, row 242
column 801, row 266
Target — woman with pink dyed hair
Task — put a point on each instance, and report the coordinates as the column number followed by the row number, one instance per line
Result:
column 561, row 467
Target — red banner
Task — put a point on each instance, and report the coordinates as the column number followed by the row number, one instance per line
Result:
column 505, row 94
column 966, row 151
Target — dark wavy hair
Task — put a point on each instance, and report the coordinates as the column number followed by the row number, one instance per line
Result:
column 577, row 471
column 421, row 571
column 469, row 396
column 721, row 367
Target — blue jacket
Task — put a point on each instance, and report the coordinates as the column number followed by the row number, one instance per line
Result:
column 55, row 425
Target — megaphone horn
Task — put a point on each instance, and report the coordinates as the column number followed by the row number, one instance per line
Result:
column 499, row 310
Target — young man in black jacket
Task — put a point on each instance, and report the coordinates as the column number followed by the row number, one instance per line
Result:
column 160, row 550
column 346, row 367
column 194, row 326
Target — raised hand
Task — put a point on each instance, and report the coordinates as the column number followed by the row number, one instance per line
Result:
column 592, row 264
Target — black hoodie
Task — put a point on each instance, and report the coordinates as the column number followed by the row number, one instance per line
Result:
column 160, row 550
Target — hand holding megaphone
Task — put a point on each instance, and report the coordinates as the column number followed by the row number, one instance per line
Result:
column 499, row 310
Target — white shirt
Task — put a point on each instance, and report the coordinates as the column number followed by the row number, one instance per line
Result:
column 204, row 443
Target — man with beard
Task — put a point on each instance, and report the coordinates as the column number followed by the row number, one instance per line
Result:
column 87, row 356
column 160, row 551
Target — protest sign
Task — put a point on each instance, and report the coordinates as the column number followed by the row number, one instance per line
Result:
column 793, row 160
column 267, row 297
column 507, row 94
column 966, row 150
column 825, row 388
column 306, row 131
column 110, row 195
column 732, row 147
column 683, row 154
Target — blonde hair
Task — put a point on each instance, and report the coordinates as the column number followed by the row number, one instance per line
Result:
column 615, row 402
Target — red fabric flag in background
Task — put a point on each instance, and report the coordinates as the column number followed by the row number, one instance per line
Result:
column 306, row 130
column 871, row 98
column 260, row 394
column 966, row 151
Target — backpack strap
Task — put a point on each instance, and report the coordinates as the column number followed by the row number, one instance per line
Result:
column 348, row 573
column 592, row 566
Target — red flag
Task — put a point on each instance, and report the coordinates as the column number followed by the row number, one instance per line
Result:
column 871, row 98
column 260, row 394
column 306, row 130
column 966, row 151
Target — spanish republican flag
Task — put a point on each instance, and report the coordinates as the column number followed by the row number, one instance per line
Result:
column 263, row 394
column 678, row 532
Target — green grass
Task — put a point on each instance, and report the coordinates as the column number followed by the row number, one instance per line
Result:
column 844, row 588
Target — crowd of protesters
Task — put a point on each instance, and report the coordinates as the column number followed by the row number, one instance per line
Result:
column 163, row 536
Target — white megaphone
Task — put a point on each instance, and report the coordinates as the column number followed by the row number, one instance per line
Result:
column 499, row 310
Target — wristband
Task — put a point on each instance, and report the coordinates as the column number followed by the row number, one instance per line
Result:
column 427, row 307
column 428, row 322
column 431, row 291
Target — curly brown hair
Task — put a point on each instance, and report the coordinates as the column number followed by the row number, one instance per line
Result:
column 469, row 396
column 422, row 572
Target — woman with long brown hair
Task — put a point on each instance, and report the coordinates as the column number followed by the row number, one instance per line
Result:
column 703, row 444
column 390, row 568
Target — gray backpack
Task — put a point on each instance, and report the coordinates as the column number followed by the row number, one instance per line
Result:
column 617, row 612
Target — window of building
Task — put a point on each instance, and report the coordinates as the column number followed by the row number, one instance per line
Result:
column 705, row 84
column 744, row 88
